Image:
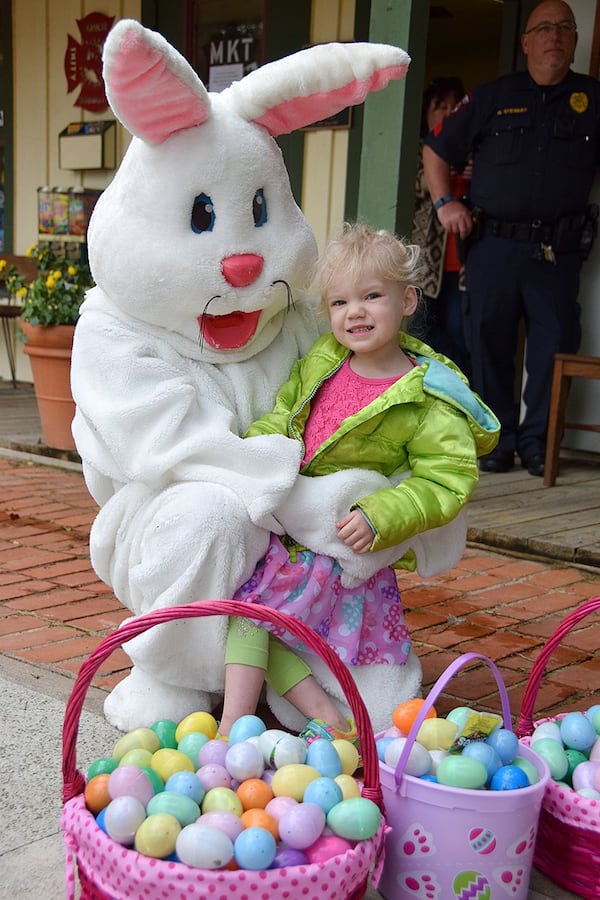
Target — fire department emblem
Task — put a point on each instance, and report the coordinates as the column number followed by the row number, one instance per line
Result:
column 83, row 62
column 579, row 101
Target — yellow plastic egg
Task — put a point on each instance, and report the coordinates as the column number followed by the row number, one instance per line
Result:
column 437, row 734
column 167, row 762
column 138, row 757
column 138, row 739
column 157, row 835
column 292, row 780
column 348, row 786
column 203, row 722
column 348, row 755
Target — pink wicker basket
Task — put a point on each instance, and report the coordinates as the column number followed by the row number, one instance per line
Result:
column 109, row 871
column 568, row 842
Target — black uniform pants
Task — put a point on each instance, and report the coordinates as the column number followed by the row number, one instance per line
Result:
column 506, row 282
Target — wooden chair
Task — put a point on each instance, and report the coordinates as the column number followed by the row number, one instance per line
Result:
column 11, row 309
column 566, row 367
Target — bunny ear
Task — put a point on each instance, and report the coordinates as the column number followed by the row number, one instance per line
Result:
column 314, row 83
column 151, row 88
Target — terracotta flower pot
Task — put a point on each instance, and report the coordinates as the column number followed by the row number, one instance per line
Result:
column 49, row 350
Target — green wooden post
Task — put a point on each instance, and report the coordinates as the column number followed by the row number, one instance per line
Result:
column 385, row 140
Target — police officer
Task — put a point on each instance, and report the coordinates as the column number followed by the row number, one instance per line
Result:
column 535, row 141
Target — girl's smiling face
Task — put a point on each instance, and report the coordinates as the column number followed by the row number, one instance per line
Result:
column 366, row 314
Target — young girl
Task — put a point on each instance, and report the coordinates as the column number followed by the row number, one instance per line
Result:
column 366, row 395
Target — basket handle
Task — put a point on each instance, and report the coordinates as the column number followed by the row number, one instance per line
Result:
column 434, row 693
column 525, row 723
column 74, row 781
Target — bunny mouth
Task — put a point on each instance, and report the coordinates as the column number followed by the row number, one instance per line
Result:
column 229, row 332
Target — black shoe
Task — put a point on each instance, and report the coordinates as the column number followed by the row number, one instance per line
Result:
column 499, row 461
column 534, row 464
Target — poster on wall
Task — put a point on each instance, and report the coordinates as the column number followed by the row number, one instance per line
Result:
column 229, row 52
column 83, row 62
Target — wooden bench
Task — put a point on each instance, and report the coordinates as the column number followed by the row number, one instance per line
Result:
column 9, row 307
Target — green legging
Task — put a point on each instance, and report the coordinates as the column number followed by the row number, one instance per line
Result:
column 250, row 645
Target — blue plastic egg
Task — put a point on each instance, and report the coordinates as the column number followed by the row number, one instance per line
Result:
column 505, row 743
column 577, row 731
column 324, row 792
column 323, row 757
column 186, row 783
column 509, row 778
column 486, row 754
column 254, row 848
column 382, row 744
column 244, row 728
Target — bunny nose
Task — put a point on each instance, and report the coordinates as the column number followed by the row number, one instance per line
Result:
column 242, row 269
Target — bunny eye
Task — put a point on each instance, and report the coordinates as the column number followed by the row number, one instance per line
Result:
column 259, row 208
column 203, row 214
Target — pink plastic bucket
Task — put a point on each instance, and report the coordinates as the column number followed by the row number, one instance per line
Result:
column 455, row 844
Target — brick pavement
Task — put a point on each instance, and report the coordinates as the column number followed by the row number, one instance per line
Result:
column 54, row 610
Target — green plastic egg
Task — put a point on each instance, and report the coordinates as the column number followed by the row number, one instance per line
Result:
column 165, row 730
column 183, row 808
column 555, row 756
column 528, row 767
column 355, row 819
column 102, row 766
column 143, row 738
column 462, row 772
column 138, row 757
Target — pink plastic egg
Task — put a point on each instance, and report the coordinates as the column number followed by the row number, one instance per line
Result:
column 227, row 822
column 213, row 752
column 301, row 825
column 214, row 775
column 132, row 782
column 326, row 846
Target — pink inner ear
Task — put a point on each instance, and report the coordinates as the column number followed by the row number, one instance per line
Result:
column 152, row 100
column 301, row 111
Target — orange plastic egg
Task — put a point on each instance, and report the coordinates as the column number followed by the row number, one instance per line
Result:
column 260, row 818
column 254, row 793
column 96, row 793
column 405, row 714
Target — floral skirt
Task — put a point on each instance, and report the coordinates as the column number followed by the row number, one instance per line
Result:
column 365, row 625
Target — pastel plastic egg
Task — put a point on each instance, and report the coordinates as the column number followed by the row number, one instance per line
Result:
column 348, row 754
column 278, row 805
column 301, row 825
column 436, row 757
column 382, row 744
column 437, row 734
column 486, row 754
column 586, row 775
column 546, row 730
column 405, row 714
column 287, row 857
column 138, row 757
column 418, row 762
column 255, row 793
column 348, row 786
column 203, row 847
column 100, row 820
column 165, row 731
column 292, row 780
column 555, row 756
column 287, row 750
column 356, row 819
column 167, row 761
column 102, row 766
column 227, row 822
column 191, row 744
column 96, row 794
column 533, row 776
column 577, row 731
column 143, row 738
column 505, row 743
column 462, row 772
column 509, row 778
column 122, row 818
column 575, row 758
column 254, row 848
column 589, row 793
column 183, row 808
column 213, row 775
column 323, row 756
column 324, row 792
column 197, row 721
column 244, row 760
column 595, row 751
column 593, row 715
column 327, row 846
column 222, row 799
column 212, row 752
column 130, row 781
column 260, row 818
column 245, row 727
column 157, row 835
column 188, row 784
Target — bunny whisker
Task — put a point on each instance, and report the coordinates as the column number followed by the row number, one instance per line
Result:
column 290, row 298
column 201, row 321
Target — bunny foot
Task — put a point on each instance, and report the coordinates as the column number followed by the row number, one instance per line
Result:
column 140, row 700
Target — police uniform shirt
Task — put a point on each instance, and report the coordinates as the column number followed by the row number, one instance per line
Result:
column 535, row 147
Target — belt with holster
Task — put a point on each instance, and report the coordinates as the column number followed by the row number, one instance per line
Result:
column 531, row 232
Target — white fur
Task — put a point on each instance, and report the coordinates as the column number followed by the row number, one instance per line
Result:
column 186, row 505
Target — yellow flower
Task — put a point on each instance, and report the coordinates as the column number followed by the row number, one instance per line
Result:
column 3, row 265
column 31, row 250
column 56, row 274
column 72, row 270
column 51, row 281
column 21, row 293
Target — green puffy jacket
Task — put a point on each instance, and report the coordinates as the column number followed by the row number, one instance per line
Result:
column 428, row 424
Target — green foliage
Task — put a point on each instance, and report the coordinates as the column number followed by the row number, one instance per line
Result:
column 55, row 295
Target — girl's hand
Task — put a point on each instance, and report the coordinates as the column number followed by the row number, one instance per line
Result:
column 355, row 532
